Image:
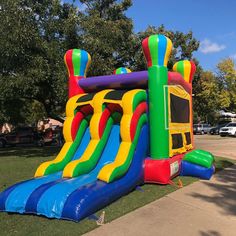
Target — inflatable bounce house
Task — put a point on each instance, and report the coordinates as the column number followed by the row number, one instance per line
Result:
column 121, row 131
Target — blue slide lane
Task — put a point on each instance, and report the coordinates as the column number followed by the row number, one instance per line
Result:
column 14, row 199
column 83, row 145
column 90, row 198
column 31, row 205
column 52, row 201
column 4, row 195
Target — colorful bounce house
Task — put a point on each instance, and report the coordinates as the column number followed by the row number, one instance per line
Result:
column 121, row 131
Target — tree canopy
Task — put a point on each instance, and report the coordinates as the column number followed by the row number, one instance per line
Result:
column 226, row 80
column 33, row 42
column 35, row 35
column 215, row 91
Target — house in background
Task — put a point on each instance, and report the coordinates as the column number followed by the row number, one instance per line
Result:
column 48, row 123
column 6, row 128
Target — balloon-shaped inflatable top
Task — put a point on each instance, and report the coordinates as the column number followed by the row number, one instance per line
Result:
column 121, row 70
column 186, row 69
column 157, row 49
column 77, row 62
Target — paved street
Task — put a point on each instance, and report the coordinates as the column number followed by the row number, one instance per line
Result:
column 219, row 146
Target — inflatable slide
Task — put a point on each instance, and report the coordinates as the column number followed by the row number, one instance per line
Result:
column 121, row 131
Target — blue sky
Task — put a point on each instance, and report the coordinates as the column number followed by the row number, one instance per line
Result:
column 213, row 23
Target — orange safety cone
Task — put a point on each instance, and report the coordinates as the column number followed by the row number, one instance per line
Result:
column 101, row 219
column 180, row 183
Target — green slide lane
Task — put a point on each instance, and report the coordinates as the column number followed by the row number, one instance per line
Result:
column 86, row 166
column 58, row 166
column 117, row 169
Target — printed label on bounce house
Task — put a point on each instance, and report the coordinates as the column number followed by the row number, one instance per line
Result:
column 174, row 168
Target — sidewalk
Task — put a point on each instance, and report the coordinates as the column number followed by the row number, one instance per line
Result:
column 205, row 208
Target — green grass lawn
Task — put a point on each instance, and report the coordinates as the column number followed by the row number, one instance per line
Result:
column 17, row 164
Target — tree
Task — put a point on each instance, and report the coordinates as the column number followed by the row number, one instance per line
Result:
column 33, row 43
column 106, row 33
column 183, row 46
column 206, row 96
column 226, row 79
column 35, row 35
column 215, row 92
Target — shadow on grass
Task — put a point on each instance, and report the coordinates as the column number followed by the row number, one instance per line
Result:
column 29, row 152
column 224, row 190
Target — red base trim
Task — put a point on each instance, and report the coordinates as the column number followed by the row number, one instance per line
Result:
column 162, row 171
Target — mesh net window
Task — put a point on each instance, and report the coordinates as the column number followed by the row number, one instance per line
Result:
column 188, row 138
column 177, row 141
column 179, row 109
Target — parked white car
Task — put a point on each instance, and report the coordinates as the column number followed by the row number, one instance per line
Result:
column 228, row 130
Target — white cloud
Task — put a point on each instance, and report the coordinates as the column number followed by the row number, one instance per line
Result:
column 206, row 46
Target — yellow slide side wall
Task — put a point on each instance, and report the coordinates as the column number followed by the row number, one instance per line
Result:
column 129, row 103
column 70, row 107
column 71, row 167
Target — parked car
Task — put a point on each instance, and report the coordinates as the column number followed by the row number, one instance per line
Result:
column 228, row 130
column 53, row 136
column 216, row 129
column 201, row 128
column 21, row 135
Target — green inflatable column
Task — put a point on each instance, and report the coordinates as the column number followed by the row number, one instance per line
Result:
column 157, row 49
